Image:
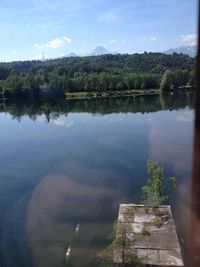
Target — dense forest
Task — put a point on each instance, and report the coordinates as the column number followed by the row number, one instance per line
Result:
column 54, row 78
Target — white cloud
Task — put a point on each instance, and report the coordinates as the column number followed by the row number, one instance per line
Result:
column 67, row 39
column 190, row 39
column 55, row 43
column 114, row 41
column 153, row 39
column 38, row 56
column 108, row 17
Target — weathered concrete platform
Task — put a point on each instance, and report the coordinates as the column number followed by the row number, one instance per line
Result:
column 151, row 234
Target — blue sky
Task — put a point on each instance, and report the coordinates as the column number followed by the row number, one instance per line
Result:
column 58, row 27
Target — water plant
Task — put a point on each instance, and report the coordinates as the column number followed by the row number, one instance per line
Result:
column 157, row 222
column 144, row 231
column 154, row 191
column 118, row 253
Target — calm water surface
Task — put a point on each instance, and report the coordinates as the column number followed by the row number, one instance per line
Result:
column 66, row 166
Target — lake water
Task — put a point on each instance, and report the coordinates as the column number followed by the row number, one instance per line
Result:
column 66, row 166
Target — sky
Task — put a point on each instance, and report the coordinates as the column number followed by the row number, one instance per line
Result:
column 56, row 28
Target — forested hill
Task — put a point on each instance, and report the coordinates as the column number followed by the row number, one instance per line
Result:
column 139, row 63
column 94, row 73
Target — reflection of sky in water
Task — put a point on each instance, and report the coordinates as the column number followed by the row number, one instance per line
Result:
column 186, row 116
column 73, row 172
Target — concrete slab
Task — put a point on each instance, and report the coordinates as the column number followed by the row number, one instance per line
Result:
column 151, row 234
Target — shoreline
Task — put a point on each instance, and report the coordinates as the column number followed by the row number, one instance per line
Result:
column 126, row 93
column 106, row 94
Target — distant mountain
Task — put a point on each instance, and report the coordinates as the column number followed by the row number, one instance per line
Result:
column 99, row 50
column 186, row 50
column 116, row 53
column 72, row 54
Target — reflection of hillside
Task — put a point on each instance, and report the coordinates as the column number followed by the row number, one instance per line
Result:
column 53, row 109
column 40, row 227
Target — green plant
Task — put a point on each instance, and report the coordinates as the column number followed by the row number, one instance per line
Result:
column 145, row 231
column 157, row 222
column 155, row 210
column 153, row 193
column 129, row 214
column 119, row 252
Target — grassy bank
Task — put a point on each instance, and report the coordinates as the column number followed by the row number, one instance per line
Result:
column 79, row 95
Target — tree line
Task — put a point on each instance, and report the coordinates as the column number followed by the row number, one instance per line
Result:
column 53, row 78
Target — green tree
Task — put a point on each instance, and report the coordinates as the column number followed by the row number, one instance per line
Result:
column 192, row 78
column 153, row 193
column 118, row 253
column 183, row 78
column 31, row 85
column 14, row 85
column 166, row 81
column 102, row 73
column 58, row 85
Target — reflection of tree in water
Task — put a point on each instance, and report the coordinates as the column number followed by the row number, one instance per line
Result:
column 39, row 229
column 53, row 109
column 173, row 101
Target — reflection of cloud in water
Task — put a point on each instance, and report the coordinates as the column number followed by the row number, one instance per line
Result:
column 112, row 120
column 60, row 202
column 186, row 116
column 149, row 119
column 41, row 118
column 63, row 122
column 183, row 207
column 171, row 143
